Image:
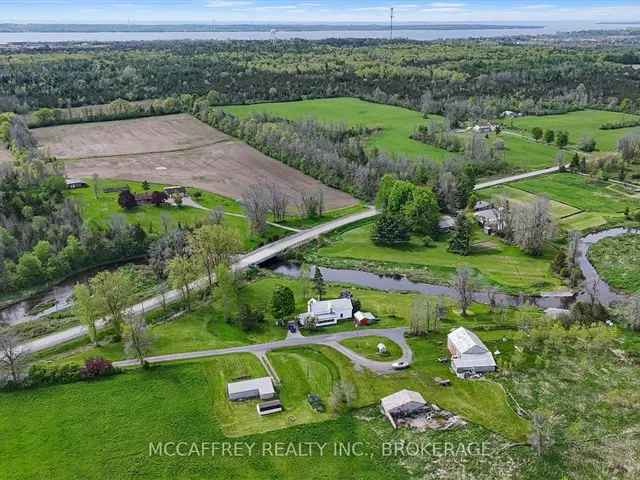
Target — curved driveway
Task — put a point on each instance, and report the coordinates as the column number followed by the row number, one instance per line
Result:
column 330, row 340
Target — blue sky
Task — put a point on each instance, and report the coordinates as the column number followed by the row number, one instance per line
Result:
column 103, row 11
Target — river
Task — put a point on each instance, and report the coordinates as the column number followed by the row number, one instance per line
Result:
column 604, row 293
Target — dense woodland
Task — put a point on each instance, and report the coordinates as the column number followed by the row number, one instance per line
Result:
column 471, row 78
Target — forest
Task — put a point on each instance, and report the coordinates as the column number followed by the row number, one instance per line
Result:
column 472, row 79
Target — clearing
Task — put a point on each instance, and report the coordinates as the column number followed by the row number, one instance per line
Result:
column 175, row 149
column 579, row 124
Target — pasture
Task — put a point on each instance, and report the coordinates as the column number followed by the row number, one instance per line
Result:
column 578, row 124
column 395, row 126
column 578, row 202
column 176, row 150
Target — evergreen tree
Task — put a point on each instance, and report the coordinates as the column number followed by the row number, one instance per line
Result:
column 318, row 283
column 283, row 303
column 460, row 241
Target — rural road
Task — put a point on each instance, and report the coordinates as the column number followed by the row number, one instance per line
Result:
column 252, row 258
column 515, row 178
column 330, row 340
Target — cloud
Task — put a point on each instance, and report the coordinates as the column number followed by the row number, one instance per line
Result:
column 228, row 3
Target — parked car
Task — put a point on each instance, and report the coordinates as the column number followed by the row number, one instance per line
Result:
column 400, row 365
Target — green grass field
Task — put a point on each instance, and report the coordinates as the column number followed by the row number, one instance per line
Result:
column 585, row 122
column 618, row 261
column 150, row 217
column 397, row 123
column 578, row 202
column 493, row 261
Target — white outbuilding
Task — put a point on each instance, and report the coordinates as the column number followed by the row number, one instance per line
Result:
column 468, row 353
column 261, row 388
column 402, row 403
column 382, row 348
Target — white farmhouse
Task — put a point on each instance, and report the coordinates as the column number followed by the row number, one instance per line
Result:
column 327, row 312
column 468, row 353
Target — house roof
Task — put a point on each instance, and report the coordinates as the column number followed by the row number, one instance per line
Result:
column 323, row 307
column 264, row 385
column 467, row 342
column 473, row 361
column 72, row 181
column 446, row 221
column 403, row 397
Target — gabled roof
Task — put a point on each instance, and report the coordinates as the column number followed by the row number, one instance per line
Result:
column 473, row 361
column 403, row 397
column 327, row 306
column 466, row 342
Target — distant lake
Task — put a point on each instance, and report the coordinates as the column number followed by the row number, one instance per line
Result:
column 316, row 34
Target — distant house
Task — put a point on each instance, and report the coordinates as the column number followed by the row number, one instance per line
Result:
column 468, row 353
column 143, row 198
column 175, row 189
column 482, row 205
column 484, row 128
column 363, row 318
column 446, row 223
column 509, row 113
column 73, row 183
column 261, row 388
column 400, row 404
column 487, row 219
column 327, row 312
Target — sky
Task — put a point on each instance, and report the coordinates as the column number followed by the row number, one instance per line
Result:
column 206, row 11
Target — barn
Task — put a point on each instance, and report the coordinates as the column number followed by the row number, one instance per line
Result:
column 261, row 388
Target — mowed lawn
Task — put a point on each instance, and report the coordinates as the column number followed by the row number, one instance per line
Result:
column 103, row 429
column 397, row 123
column 368, row 347
column 525, row 154
column 152, row 218
column 597, row 202
column 578, row 124
column 493, row 261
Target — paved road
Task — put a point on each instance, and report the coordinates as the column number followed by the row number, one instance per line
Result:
column 515, row 178
column 330, row 340
column 253, row 258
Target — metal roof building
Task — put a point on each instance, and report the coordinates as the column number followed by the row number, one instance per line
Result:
column 468, row 353
column 261, row 388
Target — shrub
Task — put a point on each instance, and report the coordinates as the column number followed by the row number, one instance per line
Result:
column 96, row 367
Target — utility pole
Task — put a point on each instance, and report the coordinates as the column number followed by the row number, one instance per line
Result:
column 391, row 24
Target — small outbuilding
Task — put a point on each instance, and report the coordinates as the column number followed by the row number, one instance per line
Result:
column 382, row 348
column 446, row 223
column 73, row 183
column 261, row 388
column 400, row 404
column 468, row 353
column 482, row 205
column 363, row 318
column 556, row 313
column 175, row 189
column 267, row 408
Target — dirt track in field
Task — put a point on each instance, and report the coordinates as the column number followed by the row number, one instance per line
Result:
column 175, row 149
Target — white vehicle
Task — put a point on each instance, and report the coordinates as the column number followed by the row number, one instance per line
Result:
column 399, row 365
